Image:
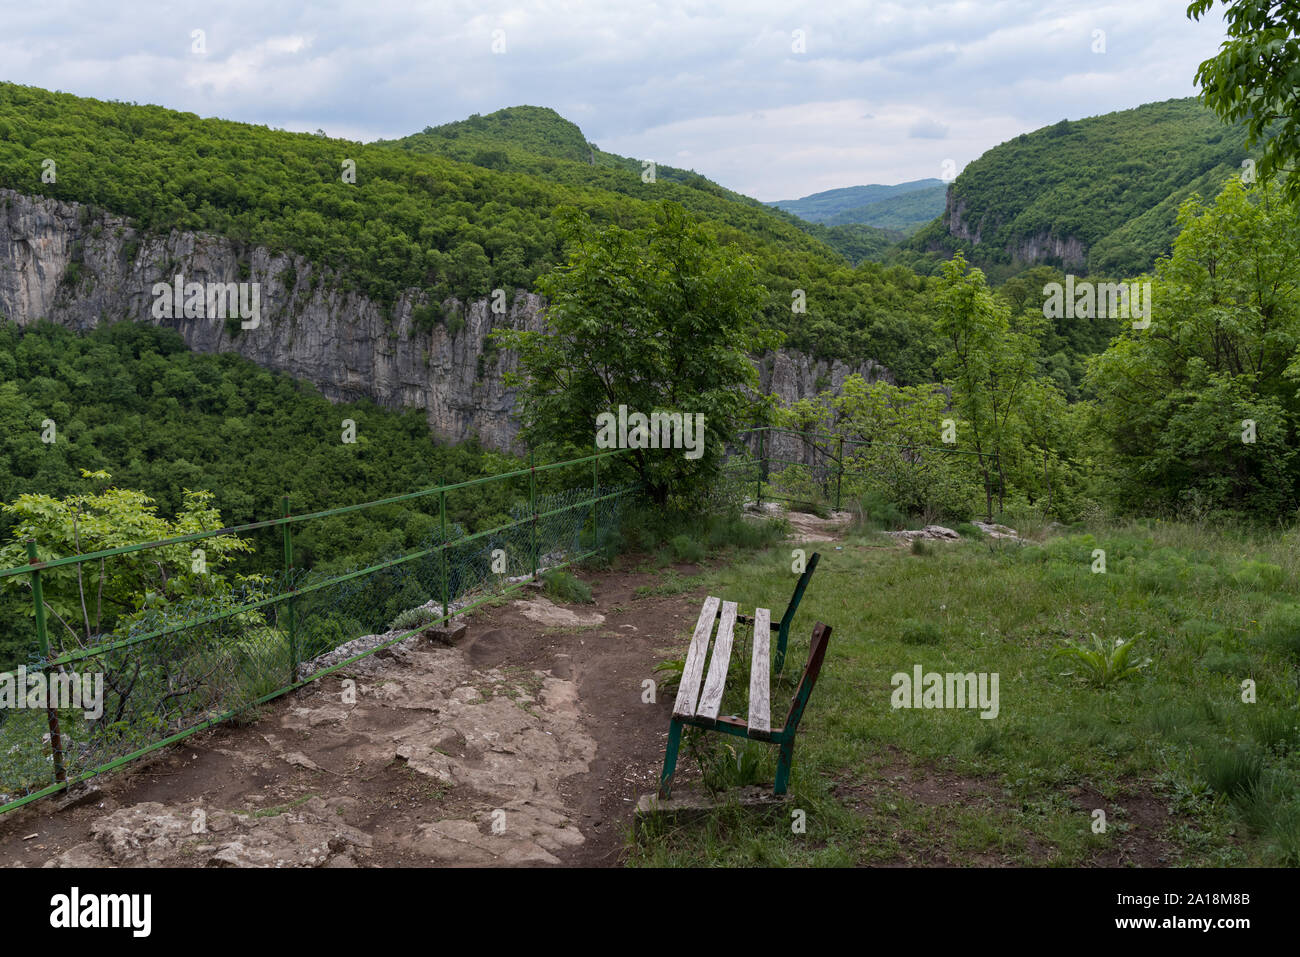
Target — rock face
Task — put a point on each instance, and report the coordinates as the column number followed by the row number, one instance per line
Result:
column 1068, row 251
column 791, row 376
column 60, row 262
column 954, row 216
column 79, row 268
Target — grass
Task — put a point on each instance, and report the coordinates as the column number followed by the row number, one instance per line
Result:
column 1209, row 728
column 563, row 587
column 674, row 537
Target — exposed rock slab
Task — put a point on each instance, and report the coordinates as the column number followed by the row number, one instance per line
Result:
column 931, row 533
column 156, row 835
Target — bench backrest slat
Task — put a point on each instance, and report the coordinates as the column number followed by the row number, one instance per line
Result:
column 816, row 654
column 693, row 670
column 711, row 698
column 783, row 633
column 760, row 672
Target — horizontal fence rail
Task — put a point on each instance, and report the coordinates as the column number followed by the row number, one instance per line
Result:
column 176, row 668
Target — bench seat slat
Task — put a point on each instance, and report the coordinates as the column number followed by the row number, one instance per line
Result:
column 693, row 670
column 711, row 699
column 760, row 707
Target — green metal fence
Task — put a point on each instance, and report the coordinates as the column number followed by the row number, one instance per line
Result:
column 185, row 666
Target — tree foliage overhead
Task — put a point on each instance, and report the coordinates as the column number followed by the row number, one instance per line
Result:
column 1255, row 79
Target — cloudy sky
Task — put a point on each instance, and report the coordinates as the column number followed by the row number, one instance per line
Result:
column 776, row 100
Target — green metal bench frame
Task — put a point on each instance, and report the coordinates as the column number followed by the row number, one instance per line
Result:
column 783, row 634
column 700, row 709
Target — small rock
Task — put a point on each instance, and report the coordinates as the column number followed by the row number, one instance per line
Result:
column 78, row 797
column 452, row 634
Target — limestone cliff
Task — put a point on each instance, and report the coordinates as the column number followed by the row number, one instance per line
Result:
column 76, row 267
column 1065, row 251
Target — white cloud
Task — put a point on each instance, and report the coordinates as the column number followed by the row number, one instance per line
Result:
column 715, row 82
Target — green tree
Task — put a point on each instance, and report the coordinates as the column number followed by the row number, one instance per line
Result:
column 659, row 319
column 101, row 607
column 1255, row 79
column 1202, row 405
column 989, row 362
column 85, row 601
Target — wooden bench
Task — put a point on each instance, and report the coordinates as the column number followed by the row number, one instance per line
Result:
column 700, row 708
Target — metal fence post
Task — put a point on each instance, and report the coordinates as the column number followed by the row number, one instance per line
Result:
column 43, row 642
column 442, row 524
column 758, row 486
column 532, row 507
column 595, row 494
column 289, row 587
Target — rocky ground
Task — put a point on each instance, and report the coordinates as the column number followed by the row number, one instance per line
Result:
column 526, row 743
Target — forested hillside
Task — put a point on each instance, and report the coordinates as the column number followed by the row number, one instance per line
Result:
column 542, row 143
column 130, row 399
column 1098, row 195
column 416, row 220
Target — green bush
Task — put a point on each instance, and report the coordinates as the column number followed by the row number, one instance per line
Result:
column 1262, row 576
column 648, row 530
column 875, row 513
column 559, row 585
column 686, row 549
column 1233, row 771
column 412, row 618
column 1103, row 663
column 1280, row 630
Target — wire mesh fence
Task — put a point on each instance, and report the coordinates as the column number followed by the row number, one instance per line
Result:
column 208, row 644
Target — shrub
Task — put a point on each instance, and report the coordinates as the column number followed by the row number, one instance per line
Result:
column 559, row 585
column 686, row 549
column 1280, row 630
column 1234, row 771
column 1259, row 575
column 413, row 618
column 734, row 530
column 648, row 530
column 877, row 514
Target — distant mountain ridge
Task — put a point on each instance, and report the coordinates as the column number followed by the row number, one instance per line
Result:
column 539, row 141
column 904, row 206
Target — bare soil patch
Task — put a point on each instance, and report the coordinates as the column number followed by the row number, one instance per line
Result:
column 528, row 743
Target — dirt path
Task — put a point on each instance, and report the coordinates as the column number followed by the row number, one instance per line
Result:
column 526, row 743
